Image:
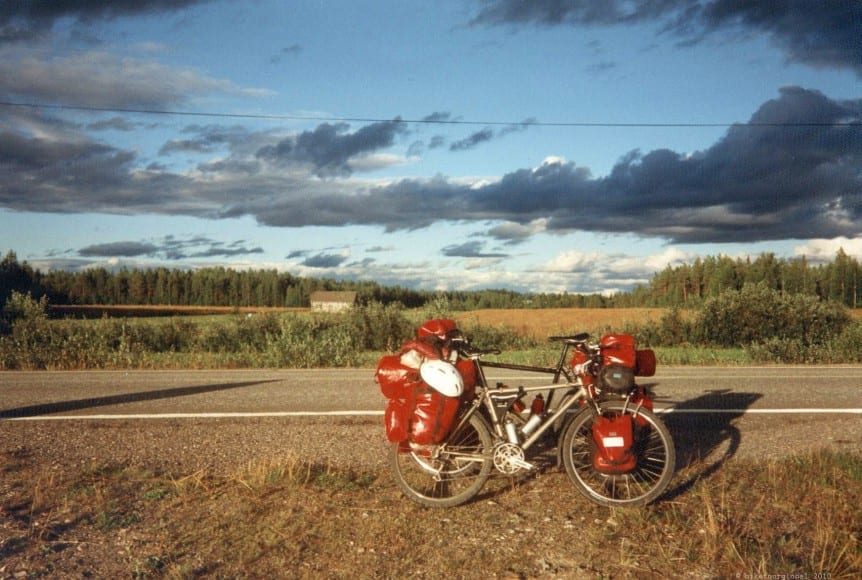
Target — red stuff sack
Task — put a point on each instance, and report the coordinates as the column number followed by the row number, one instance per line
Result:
column 432, row 417
column 618, row 349
column 396, row 380
column 437, row 329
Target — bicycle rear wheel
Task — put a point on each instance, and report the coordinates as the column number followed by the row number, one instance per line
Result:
column 653, row 448
column 448, row 474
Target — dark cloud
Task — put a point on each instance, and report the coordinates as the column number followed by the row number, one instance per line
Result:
column 118, row 250
column 473, row 140
column 472, row 249
column 813, row 33
column 330, row 148
column 793, row 171
column 438, row 117
column 324, row 260
column 170, row 248
column 39, row 173
column 488, row 134
column 113, row 124
column 27, row 19
column 287, row 51
column 437, row 141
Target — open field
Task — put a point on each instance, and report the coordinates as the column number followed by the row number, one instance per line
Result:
column 541, row 323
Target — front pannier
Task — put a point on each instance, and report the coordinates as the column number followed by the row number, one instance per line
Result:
column 613, row 437
column 646, row 363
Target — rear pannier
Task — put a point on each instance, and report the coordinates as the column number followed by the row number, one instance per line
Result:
column 416, row 412
column 432, row 417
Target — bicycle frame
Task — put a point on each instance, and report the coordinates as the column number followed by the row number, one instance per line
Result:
column 574, row 392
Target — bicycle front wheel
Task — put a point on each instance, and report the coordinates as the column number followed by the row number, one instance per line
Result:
column 652, row 446
column 448, row 474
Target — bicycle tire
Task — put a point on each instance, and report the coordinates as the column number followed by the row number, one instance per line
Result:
column 449, row 474
column 653, row 447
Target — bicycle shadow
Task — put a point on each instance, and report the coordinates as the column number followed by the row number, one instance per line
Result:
column 79, row 404
column 704, row 434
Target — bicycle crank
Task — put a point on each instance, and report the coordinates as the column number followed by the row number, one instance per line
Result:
column 509, row 458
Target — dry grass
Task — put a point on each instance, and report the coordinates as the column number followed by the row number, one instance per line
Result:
column 800, row 515
column 541, row 323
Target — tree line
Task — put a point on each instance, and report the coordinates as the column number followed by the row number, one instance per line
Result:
column 682, row 286
column 689, row 285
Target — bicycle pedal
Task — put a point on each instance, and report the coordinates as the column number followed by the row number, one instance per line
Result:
column 520, row 463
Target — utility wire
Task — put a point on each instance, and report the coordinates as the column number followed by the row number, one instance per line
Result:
column 435, row 121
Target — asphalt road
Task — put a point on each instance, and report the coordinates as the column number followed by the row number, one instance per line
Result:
column 777, row 409
column 831, row 390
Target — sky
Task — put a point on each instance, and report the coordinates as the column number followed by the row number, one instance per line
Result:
column 547, row 146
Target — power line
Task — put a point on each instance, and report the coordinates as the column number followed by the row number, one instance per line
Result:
column 426, row 121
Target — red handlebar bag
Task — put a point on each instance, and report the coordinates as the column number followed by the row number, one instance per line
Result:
column 613, row 438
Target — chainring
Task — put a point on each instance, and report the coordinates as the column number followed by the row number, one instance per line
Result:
column 509, row 458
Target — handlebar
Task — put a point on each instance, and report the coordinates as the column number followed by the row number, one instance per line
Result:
column 575, row 340
column 468, row 350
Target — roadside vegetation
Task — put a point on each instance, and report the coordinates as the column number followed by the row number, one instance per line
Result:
column 799, row 515
column 755, row 324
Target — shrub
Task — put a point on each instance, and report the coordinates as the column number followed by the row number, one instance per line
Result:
column 758, row 314
column 379, row 327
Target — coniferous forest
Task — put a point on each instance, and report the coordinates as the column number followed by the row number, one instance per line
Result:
column 682, row 286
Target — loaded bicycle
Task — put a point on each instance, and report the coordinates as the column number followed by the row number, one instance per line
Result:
column 450, row 429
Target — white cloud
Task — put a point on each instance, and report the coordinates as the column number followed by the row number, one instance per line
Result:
column 823, row 250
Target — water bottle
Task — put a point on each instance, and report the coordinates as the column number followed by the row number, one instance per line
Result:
column 536, row 409
column 512, row 432
column 518, row 406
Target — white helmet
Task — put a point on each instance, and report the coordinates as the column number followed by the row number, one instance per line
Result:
column 442, row 377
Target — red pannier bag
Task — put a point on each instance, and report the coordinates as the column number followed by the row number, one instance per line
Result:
column 613, row 438
column 395, row 379
column 415, row 411
column 396, row 417
column 646, row 363
column 467, row 368
column 432, row 417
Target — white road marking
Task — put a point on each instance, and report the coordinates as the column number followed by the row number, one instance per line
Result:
column 760, row 411
column 663, row 410
column 201, row 415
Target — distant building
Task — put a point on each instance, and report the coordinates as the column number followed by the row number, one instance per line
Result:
column 332, row 301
